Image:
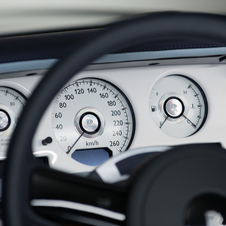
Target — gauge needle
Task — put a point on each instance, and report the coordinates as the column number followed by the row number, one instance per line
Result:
column 163, row 122
column 192, row 124
column 75, row 143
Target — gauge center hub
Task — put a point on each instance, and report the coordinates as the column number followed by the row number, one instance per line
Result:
column 90, row 123
column 174, row 107
column 4, row 120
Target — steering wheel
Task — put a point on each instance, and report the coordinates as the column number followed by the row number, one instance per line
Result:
column 162, row 189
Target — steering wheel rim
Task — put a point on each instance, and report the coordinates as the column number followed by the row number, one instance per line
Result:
column 20, row 161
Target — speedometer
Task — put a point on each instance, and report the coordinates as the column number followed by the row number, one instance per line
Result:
column 92, row 120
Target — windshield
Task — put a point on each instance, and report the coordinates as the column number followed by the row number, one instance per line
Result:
column 18, row 17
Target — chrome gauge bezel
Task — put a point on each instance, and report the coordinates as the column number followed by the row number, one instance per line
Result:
column 173, row 87
column 101, row 120
column 100, row 114
column 12, row 113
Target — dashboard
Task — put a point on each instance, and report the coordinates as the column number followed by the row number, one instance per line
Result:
column 110, row 108
column 101, row 136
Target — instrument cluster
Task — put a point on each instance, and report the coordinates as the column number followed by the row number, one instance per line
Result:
column 101, row 113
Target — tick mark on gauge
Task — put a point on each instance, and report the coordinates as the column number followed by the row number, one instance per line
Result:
column 104, row 87
column 196, row 95
column 116, row 95
column 189, row 86
column 123, row 108
column 156, row 93
column 125, row 137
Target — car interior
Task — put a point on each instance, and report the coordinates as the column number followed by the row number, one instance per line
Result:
column 119, row 124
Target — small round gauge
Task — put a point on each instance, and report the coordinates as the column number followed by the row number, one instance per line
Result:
column 11, row 104
column 178, row 105
column 92, row 120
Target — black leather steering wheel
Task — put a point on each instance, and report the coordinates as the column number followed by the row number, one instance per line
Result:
column 139, row 201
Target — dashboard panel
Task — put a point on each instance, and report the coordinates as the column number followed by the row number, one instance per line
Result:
column 135, row 86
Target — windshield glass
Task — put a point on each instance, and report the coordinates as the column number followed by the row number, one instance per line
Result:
column 23, row 16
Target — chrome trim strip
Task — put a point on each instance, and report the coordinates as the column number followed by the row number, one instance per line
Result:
column 79, row 207
column 115, row 58
column 151, row 55
column 26, row 65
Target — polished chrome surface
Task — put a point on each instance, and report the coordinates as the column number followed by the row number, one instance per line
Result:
column 4, row 120
column 89, row 123
column 174, row 107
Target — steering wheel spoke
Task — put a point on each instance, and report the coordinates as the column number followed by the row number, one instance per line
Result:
column 61, row 196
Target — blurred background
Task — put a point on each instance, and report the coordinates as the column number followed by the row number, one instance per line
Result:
column 19, row 16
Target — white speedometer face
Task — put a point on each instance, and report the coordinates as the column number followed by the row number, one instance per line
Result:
column 92, row 120
column 11, row 104
column 178, row 105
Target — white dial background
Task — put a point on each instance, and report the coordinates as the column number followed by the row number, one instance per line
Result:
column 191, row 96
column 106, row 102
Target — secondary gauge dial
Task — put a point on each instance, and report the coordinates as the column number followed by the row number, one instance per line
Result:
column 92, row 119
column 11, row 104
column 178, row 105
